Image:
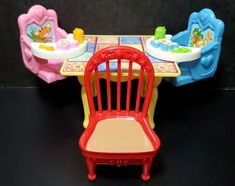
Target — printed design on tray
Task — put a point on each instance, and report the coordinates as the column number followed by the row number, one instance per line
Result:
column 102, row 45
column 108, row 39
column 199, row 38
column 90, row 39
column 42, row 34
column 165, row 67
column 78, row 64
column 130, row 40
column 113, row 66
column 75, row 66
column 84, row 57
column 144, row 40
column 91, row 47
column 125, row 65
column 136, row 46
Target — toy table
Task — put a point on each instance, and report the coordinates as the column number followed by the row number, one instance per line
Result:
column 76, row 66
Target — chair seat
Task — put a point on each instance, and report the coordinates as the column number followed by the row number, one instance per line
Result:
column 119, row 135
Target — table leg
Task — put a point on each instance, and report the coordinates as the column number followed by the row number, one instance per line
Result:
column 153, row 102
column 84, row 102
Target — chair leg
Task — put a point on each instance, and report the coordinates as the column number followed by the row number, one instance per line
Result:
column 146, row 169
column 91, row 169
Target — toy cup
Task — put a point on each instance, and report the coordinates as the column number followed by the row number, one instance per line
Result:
column 160, row 33
column 78, row 34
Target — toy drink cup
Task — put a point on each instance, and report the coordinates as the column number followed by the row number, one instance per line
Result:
column 78, row 34
column 160, row 33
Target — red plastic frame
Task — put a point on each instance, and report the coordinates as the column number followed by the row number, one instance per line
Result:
column 141, row 116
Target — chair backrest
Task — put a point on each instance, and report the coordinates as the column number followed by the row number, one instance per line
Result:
column 204, row 28
column 123, row 56
column 39, row 24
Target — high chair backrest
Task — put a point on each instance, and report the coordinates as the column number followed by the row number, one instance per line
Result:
column 204, row 28
column 39, row 24
column 122, row 55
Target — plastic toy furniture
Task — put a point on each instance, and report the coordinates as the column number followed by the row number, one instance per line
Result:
column 204, row 31
column 46, row 30
column 44, row 45
column 118, row 134
column 76, row 66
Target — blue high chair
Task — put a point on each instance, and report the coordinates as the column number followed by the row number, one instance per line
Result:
column 204, row 31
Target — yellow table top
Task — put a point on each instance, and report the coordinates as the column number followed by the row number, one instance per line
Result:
column 76, row 66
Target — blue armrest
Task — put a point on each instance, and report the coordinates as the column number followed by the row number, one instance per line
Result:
column 210, row 54
column 209, row 47
column 181, row 38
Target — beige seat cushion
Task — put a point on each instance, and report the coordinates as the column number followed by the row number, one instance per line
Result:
column 119, row 135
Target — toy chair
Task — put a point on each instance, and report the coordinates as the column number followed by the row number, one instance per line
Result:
column 40, row 25
column 118, row 134
column 204, row 31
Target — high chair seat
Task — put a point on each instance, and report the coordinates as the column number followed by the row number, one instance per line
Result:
column 119, row 135
column 204, row 33
column 44, row 45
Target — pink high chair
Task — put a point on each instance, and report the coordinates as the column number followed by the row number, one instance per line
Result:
column 40, row 25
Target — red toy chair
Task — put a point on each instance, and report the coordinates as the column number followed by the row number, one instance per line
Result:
column 118, row 136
